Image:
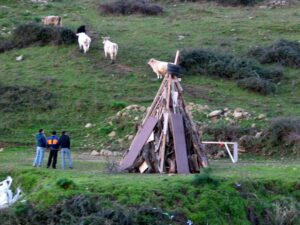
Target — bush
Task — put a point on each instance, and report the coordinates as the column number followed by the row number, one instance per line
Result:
column 257, row 84
column 281, row 137
column 65, row 183
column 283, row 51
column 118, row 105
column 229, row 2
column 6, row 45
column 284, row 131
column 225, row 132
column 16, row 98
column 128, row 7
column 33, row 33
column 213, row 63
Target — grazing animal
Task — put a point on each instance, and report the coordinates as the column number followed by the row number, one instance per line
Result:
column 158, row 67
column 52, row 20
column 84, row 41
column 110, row 49
column 81, row 29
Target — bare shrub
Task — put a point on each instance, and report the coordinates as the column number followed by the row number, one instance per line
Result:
column 128, row 7
column 283, row 51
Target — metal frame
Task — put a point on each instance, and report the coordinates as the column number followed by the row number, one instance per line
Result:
column 235, row 156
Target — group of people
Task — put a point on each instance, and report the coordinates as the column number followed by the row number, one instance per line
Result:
column 54, row 144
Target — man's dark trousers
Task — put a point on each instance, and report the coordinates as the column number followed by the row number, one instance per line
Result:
column 53, row 154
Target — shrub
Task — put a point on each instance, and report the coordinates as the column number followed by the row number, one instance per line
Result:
column 229, row 2
column 128, row 7
column 65, row 183
column 281, row 137
column 218, row 64
column 225, row 132
column 284, row 131
column 257, row 84
column 33, row 33
column 283, row 51
column 6, row 45
column 204, row 178
column 16, row 98
column 118, row 104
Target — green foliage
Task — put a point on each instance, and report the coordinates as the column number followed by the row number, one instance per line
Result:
column 283, row 51
column 16, row 98
column 118, row 105
column 106, row 130
column 216, row 64
column 128, row 7
column 229, row 2
column 257, row 85
column 66, row 183
column 204, row 178
column 32, row 33
column 226, row 132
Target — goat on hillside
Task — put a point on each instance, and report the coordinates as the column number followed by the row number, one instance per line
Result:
column 52, row 20
column 84, row 41
column 110, row 49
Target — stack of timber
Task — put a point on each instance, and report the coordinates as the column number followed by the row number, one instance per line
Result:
column 167, row 141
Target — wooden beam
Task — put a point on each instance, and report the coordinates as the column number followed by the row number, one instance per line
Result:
column 179, row 144
column 138, row 143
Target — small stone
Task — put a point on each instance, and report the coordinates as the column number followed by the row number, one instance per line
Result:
column 136, row 118
column 95, row 153
column 237, row 115
column 112, row 134
column 88, row 125
column 1, row 149
column 142, row 108
column 258, row 134
column 180, row 37
column 130, row 137
column 253, row 125
column 19, row 58
column 214, row 113
column 106, row 152
column 261, row 116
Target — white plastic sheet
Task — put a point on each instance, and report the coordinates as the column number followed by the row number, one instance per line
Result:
column 7, row 197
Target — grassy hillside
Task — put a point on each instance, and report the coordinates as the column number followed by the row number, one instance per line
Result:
column 78, row 89
column 85, row 86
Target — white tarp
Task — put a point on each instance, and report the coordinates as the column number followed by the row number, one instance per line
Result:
column 6, row 195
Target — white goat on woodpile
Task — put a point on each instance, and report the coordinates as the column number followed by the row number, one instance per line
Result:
column 84, row 41
column 158, row 67
column 110, row 49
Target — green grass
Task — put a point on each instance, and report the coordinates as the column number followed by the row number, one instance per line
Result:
column 269, row 180
column 87, row 86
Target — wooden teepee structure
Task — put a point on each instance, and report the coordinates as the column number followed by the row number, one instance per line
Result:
column 167, row 140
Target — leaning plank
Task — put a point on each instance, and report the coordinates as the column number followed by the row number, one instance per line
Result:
column 138, row 143
column 179, row 144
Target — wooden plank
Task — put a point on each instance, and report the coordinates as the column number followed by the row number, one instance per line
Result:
column 138, row 143
column 179, row 144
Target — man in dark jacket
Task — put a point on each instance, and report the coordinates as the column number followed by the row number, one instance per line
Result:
column 65, row 143
column 52, row 143
column 41, row 144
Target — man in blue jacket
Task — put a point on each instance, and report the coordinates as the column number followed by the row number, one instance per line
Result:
column 41, row 144
column 65, row 143
column 52, row 143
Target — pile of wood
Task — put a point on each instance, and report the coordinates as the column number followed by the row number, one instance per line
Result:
column 167, row 140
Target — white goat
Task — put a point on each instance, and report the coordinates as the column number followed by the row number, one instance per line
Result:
column 84, row 41
column 110, row 48
column 158, row 67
